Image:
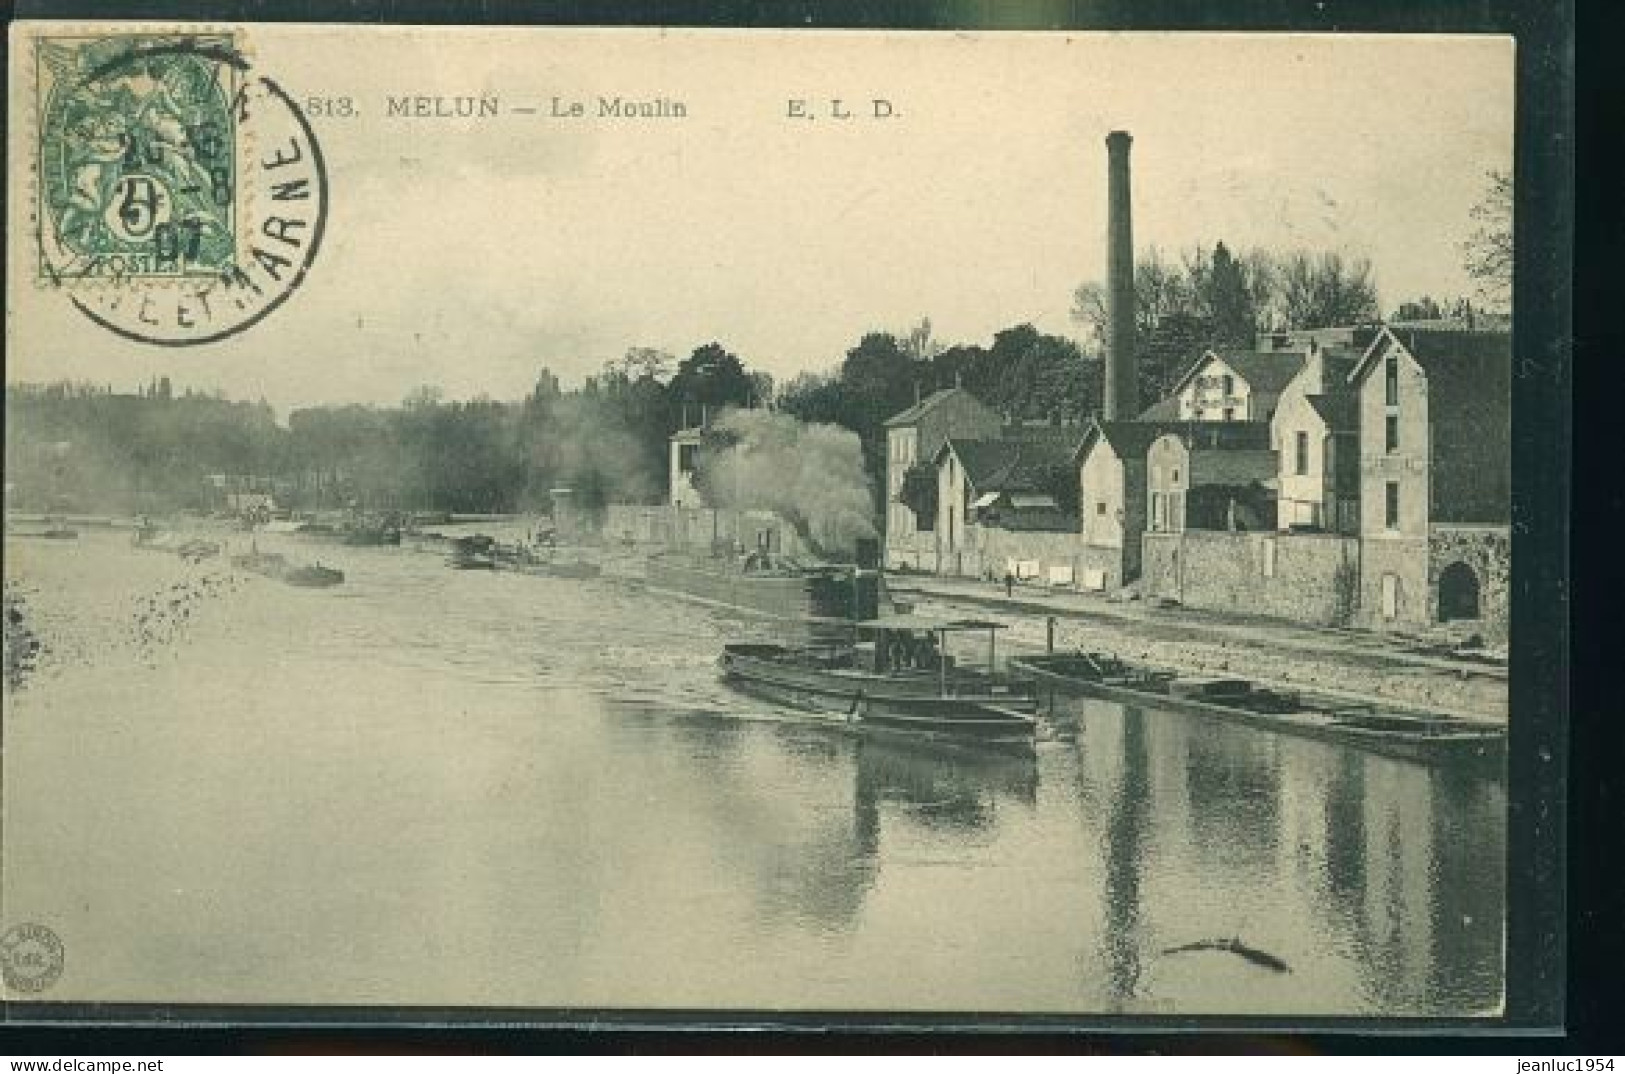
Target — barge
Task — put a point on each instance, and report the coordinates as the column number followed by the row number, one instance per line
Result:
column 1423, row 738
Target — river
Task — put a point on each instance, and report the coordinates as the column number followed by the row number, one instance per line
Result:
column 431, row 787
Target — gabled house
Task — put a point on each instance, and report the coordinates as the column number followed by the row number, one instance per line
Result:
column 1112, row 498
column 1211, row 476
column 997, row 485
column 1316, row 435
column 913, row 437
column 1435, row 476
column 1235, row 385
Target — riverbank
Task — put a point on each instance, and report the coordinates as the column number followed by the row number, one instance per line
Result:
column 1354, row 664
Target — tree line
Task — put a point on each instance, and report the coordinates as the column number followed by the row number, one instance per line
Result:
column 607, row 440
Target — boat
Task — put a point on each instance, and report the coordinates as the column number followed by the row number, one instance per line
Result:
column 275, row 565
column 896, row 679
column 769, row 585
column 472, row 553
column 314, row 576
column 1426, row 738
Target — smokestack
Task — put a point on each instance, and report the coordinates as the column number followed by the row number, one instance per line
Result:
column 1122, row 395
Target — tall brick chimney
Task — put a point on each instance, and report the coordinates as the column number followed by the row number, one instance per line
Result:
column 1122, row 394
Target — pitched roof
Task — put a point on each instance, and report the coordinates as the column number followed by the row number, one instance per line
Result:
column 1339, row 363
column 1340, row 411
column 1474, row 359
column 1128, row 439
column 1266, row 372
column 1164, row 409
column 1007, row 464
column 1131, row 439
column 930, row 402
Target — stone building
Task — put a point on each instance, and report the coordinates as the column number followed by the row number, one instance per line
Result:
column 1316, row 435
column 990, row 491
column 1112, row 499
column 1435, row 479
column 1211, row 476
column 1235, row 385
column 913, row 438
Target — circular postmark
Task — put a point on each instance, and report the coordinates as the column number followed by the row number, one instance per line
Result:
column 30, row 958
column 182, row 196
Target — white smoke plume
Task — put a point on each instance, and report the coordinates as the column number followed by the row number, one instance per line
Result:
column 812, row 476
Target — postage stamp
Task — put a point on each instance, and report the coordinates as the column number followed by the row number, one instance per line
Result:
column 181, row 195
column 137, row 157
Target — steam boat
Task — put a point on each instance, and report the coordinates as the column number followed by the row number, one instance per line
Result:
column 897, row 679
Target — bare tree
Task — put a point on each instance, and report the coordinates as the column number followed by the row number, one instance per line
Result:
column 1488, row 250
column 1325, row 291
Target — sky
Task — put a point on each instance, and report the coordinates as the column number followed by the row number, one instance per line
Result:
column 471, row 253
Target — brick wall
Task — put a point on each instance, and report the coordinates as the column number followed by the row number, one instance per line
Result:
column 1310, row 578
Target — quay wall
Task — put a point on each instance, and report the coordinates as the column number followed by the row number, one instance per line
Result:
column 1311, row 578
column 1042, row 557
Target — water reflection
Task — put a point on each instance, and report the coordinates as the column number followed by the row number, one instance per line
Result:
column 548, row 797
column 1124, row 837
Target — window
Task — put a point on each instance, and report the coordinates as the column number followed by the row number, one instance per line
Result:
column 1100, row 507
column 1229, row 413
column 1390, row 512
column 1156, row 512
column 1390, row 436
column 1229, row 384
column 1175, row 479
column 1390, row 369
column 1300, row 452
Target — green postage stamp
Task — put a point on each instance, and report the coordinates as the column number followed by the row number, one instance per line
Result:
column 137, row 156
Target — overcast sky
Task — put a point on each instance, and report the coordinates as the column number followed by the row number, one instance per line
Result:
column 469, row 254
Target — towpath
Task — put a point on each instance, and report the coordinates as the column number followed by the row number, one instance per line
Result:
column 1358, row 664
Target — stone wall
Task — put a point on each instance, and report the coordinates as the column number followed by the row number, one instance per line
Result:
column 1405, row 561
column 1034, row 555
column 1310, row 578
column 697, row 528
column 1487, row 550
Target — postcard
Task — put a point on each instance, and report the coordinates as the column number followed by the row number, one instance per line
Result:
column 758, row 522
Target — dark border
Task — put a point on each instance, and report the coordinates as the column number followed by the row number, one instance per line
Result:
column 1537, row 946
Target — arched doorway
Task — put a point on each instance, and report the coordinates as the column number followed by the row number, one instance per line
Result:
column 1458, row 593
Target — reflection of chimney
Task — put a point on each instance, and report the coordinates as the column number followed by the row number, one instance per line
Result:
column 1122, row 395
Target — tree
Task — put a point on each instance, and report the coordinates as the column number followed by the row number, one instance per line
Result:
column 712, row 377
column 1228, row 301
column 1488, row 250
column 1325, row 291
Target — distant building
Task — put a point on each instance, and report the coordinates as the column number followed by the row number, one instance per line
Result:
column 1211, row 476
column 913, row 438
column 1235, row 385
column 685, row 455
column 1316, row 435
column 1435, row 477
